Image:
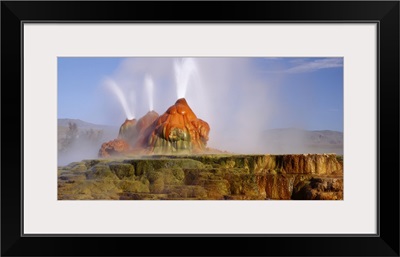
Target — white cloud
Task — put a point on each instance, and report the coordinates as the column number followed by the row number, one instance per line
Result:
column 306, row 65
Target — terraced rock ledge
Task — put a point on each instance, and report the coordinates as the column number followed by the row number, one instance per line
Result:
column 204, row 177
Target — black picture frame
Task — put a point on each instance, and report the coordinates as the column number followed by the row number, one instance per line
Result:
column 383, row 13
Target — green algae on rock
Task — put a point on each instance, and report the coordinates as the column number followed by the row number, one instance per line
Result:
column 205, row 177
column 177, row 131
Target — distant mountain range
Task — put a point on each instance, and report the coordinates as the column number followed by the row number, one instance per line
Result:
column 82, row 124
column 82, row 142
column 86, row 128
column 294, row 140
column 312, row 137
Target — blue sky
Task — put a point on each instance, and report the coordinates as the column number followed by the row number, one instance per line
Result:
column 235, row 92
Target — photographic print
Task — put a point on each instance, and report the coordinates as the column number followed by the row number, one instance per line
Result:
column 200, row 128
column 251, row 134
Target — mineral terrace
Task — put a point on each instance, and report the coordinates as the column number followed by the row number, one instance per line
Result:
column 204, row 177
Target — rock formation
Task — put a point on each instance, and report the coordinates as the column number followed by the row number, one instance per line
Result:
column 318, row 188
column 206, row 177
column 132, row 130
column 114, row 147
column 145, row 122
column 127, row 131
column 130, row 133
column 143, row 128
column 178, row 130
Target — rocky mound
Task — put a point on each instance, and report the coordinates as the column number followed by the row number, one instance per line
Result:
column 127, row 131
column 146, row 121
column 178, row 130
column 133, row 130
column 130, row 137
column 114, row 148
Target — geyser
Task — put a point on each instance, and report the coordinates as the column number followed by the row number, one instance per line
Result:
column 149, row 84
column 178, row 130
column 127, row 130
column 142, row 125
column 132, row 131
column 184, row 69
column 121, row 98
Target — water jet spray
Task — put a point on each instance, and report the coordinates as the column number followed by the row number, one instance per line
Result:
column 184, row 69
column 149, row 84
column 112, row 85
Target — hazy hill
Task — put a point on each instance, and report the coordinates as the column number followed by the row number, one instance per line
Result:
column 312, row 137
column 83, row 140
column 293, row 140
column 83, row 124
